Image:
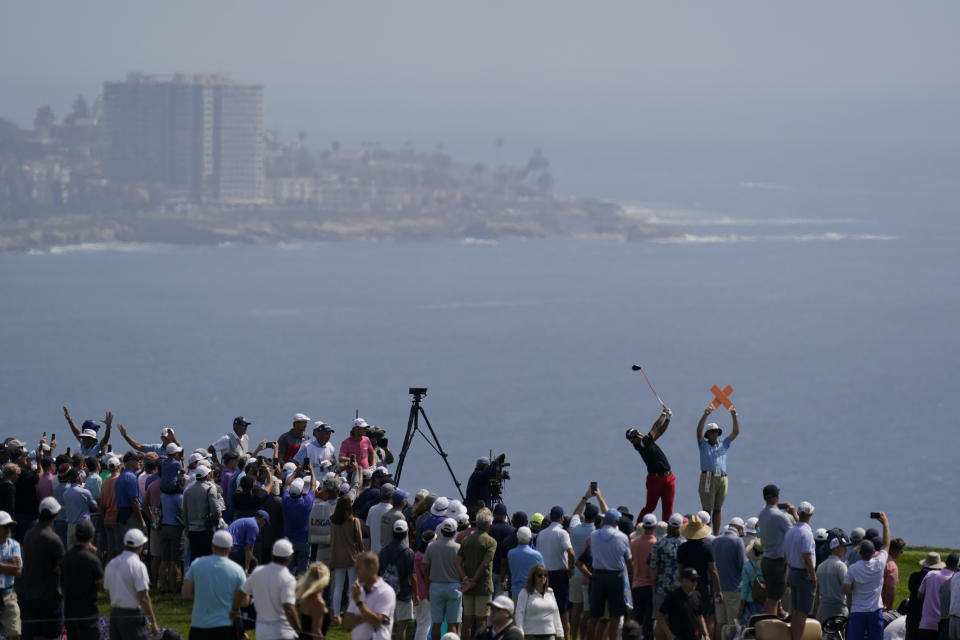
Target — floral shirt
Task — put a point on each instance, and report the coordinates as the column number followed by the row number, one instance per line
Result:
column 663, row 558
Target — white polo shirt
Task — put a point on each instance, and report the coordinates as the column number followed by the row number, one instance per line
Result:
column 552, row 543
column 272, row 586
column 866, row 576
column 124, row 576
column 380, row 599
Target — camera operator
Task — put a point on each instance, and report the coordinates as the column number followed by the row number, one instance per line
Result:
column 661, row 484
column 479, row 486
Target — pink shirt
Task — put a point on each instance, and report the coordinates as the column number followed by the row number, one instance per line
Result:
column 640, row 549
column 45, row 485
column 930, row 590
column 891, row 576
column 421, row 576
column 360, row 448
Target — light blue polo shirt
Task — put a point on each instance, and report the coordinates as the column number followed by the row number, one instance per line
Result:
column 215, row 581
column 8, row 551
column 713, row 458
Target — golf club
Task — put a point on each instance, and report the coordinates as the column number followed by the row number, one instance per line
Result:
column 637, row 367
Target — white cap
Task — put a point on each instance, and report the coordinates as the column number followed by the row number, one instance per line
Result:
column 462, row 518
column 282, row 548
column 50, row 505
column 194, row 458
column 704, row 517
column 222, row 539
column 289, row 466
column 805, row 508
column 296, row 487
column 400, row 526
column 820, row 534
column 448, row 526
column 454, row 506
column 440, row 506
column 172, row 448
column 450, row 635
column 113, row 461
column 203, row 452
column 5, row 519
column 166, row 431
column 736, row 521
column 858, row 533
column 300, row 417
column 503, row 602
column 751, row 524
column 676, row 520
column 649, row 521
column 360, row 422
column 202, row 471
column 524, row 534
column 134, row 538
column 88, row 433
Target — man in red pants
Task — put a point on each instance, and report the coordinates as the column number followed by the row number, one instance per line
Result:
column 661, row 485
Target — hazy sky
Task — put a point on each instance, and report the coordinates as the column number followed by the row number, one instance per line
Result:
column 558, row 74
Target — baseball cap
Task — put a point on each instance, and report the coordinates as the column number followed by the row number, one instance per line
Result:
column 485, row 461
column 289, row 466
column 689, row 573
column 239, row 421
column 301, row 417
column 556, row 513
column 536, row 519
column 360, row 422
column 88, row 433
column 448, row 526
column 400, row 526
column 263, row 514
column 649, row 521
column 524, row 534
column 172, row 448
column 202, row 471
column 751, row 524
column 857, row 533
column 805, row 508
column 282, row 548
column 6, row 520
column 676, row 520
column 838, row 541
column 113, row 461
column 134, row 538
column 713, row 426
column 93, row 425
column 166, row 432
column 499, row 509
column 386, row 491
column 320, row 425
column 590, row 512
column 736, row 521
column 611, row 516
column 867, row 549
column 502, row 602
column 194, row 458
column 704, row 517
column 50, row 505
column 296, row 487
column 399, row 496
column 771, row 491
column 820, row 534
column 222, row 539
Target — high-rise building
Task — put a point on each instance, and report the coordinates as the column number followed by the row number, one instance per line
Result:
column 198, row 135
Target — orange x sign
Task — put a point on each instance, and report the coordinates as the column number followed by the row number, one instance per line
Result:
column 721, row 397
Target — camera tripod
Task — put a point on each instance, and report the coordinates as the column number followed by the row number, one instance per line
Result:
column 413, row 426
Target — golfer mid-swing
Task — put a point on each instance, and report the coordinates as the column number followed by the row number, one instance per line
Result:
column 661, row 484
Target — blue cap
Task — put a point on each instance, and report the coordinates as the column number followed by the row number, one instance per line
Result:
column 90, row 424
column 556, row 513
column 499, row 509
column 263, row 514
column 612, row 516
column 399, row 496
column 239, row 421
column 590, row 512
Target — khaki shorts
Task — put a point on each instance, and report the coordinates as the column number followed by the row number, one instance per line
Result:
column 728, row 609
column 10, row 616
column 403, row 611
column 576, row 588
column 712, row 500
column 476, row 605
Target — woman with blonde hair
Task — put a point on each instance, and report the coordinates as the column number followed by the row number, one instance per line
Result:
column 309, row 598
column 537, row 613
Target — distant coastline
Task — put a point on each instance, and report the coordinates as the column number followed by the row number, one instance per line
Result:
column 534, row 218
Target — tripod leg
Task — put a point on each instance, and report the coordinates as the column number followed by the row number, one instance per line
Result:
column 443, row 454
column 407, row 439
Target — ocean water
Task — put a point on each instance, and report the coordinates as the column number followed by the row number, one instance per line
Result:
column 839, row 339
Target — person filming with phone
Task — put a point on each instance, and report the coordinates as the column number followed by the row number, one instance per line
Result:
column 864, row 582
